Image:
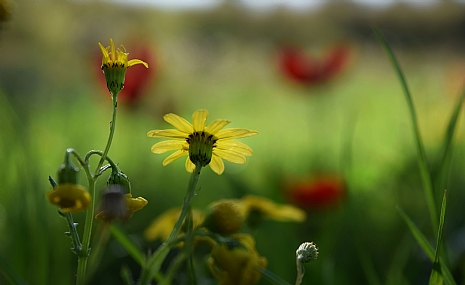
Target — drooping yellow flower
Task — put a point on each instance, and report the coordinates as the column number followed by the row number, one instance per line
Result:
column 203, row 144
column 116, row 205
column 162, row 226
column 268, row 209
column 69, row 197
column 114, row 65
column 237, row 265
column 225, row 217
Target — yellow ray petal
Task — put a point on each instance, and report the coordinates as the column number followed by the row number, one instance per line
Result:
column 137, row 61
column 179, row 122
column 165, row 146
column 235, row 146
column 112, row 50
column 199, row 118
column 175, row 155
column 171, row 134
column 106, row 57
column 216, row 125
column 234, row 133
column 230, row 156
column 189, row 165
column 216, row 164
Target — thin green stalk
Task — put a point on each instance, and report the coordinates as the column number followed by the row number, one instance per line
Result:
column 155, row 261
column 110, row 137
column 189, row 246
column 423, row 165
column 92, row 179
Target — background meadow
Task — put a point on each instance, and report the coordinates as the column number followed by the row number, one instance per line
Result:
column 353, row 126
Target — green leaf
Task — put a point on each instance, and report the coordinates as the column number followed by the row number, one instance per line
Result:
column 447, row 144
column 423, row 165
column 427, row 248
column 436, row 274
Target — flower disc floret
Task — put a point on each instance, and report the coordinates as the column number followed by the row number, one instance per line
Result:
column 204, row 145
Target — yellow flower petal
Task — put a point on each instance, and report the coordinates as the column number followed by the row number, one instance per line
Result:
column 199, row 119
column 235, row 146
column 112, row 50
column 105, row 57
column 137, row 61
column 179, row 122
column 234, row 133
column 230, row 156
column 216, row 164
column 165, row 146
column 189, row 165
column 175, row 155
column 70, row 197
column 171, row 134
column 216, row 125
column 271, row 210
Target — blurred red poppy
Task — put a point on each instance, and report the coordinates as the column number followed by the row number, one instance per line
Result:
column 137, row 77
column 317, row 193
column 307, row 70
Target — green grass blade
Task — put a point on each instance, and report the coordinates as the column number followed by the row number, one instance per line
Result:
column 447, row 145
column 127, row 244
column 424, row 172
column 271, row 277
column 436, row 277
column 426, row 246
column 9, row 274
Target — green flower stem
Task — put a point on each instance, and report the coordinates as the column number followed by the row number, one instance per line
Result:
column 189, row 246
column 300, row 272
column 92, row 179
column 110, row 137
column 155, row 261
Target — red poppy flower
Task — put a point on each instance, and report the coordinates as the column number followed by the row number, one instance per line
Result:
column 307, row 70
column 317, row 193
column 137, row 77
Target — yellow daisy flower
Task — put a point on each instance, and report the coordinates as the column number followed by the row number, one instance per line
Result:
column 266, row 208
column 114, row 65
column 204, row 144
column 162, row 226
column 237, row 265
column 70, row 197
column 225, row 217
column 119, row 206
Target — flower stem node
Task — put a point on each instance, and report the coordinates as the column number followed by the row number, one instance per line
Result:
column 307, row 252
column 225, row 217
column 119, row 178
column 114, row 65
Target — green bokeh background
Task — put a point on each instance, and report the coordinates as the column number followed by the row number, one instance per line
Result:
column 224, row 59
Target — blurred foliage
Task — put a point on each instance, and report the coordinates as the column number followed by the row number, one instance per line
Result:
column 224, row 60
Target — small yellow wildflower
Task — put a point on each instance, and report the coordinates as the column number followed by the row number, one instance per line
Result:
column 162, row 226
column 114, row 65
column 225, row 218
column 238, row 265
column 204, row 144
column 69, row 197
column 116, row 205
column 266, row 208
